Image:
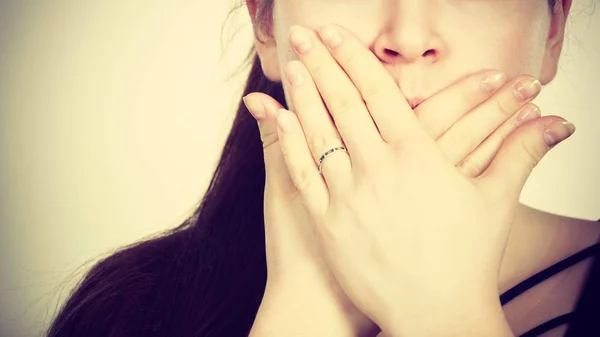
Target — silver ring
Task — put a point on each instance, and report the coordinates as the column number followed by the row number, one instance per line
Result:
column 326, row 154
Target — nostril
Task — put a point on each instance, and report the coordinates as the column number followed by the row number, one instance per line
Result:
column 391, row 52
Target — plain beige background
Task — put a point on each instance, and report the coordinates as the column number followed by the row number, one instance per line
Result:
column 113, row 114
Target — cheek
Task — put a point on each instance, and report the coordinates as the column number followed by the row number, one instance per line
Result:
column 512, row 41
column 510, row 50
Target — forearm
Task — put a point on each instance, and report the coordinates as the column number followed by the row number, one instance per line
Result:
column 284, row 312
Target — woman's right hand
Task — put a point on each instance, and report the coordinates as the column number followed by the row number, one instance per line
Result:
column 302, row 297
column 468, row 123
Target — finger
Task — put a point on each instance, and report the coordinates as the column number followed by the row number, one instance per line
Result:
column 263, row 108
column 478, row 161
column 343, row 100
column 468, row 132
column 280, row 194
column 391, row 113
column 319, row 129
column 302, row 169
column 457, row 100
column 520, row 153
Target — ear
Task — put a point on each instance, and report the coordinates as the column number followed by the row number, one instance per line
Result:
column 266, row 50
column 556, row 36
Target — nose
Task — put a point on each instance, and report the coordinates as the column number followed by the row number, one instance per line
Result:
column 408, row 35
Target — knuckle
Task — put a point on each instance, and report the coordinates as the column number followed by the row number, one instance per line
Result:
column 302, row 179
column 532, row 152
column 373, row 92
column 342, row 104
column 459, row 141
column 401, row 148
column 505, row 132
column 502, row 107
column 268, row 139
column 471, row 138
column 470, row 168
column 318, row 69
column 319, row 143
column 348, row 59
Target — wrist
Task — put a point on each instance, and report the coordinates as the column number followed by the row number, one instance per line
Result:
column 463, row 316
column 298, row 309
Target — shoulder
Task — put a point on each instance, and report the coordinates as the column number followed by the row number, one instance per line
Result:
column 569, row 235
column 555, row 236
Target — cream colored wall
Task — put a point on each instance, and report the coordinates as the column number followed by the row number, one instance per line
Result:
column 112, row 117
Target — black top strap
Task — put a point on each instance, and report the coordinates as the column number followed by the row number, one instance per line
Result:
column 585, row 320
column 548, row 272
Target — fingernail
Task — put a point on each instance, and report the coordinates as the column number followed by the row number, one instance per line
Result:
column 493, row 81
column 256, row 108
column 300, row 39
column 330, row 36
column 529, row 113
column 527, row 89
column 557, row 132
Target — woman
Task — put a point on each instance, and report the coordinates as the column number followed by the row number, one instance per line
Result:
column 209, row 277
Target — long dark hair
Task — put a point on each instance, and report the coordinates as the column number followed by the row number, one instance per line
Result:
column 205, row 277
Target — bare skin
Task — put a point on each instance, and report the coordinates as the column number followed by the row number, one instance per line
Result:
column 538, row 239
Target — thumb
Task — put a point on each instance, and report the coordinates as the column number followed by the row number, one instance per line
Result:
column 263, row 108
column 521, row 152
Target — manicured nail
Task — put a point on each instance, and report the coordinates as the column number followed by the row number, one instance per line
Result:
column 256, row 108
column 557, row 132
column 331, row 36
column 530, row 112
column 493, row 81
column 300, row 39
column 527, row 89
column 283, row 121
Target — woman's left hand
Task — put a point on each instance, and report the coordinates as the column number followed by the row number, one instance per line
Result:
column 403, row 231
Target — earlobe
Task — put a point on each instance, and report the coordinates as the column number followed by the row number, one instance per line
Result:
column 554, row 43
column 266, row 49
column 267, row 52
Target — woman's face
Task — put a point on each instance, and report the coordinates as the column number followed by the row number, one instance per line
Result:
column 426, row 45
